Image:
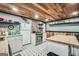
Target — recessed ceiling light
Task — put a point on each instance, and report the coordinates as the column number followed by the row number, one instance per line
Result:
column 46, row 19
column 14, row 9
column 36, row 16
column 75, row 13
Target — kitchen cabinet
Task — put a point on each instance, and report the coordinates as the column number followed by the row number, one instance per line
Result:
column 25, row 26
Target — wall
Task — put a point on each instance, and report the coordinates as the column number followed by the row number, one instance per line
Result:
column 12, row 17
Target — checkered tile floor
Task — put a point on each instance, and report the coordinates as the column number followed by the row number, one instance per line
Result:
column 30, row 50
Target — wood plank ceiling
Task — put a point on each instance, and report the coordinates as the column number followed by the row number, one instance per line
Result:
column 42, row 11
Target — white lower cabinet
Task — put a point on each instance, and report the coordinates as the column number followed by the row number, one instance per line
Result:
column 57, row 48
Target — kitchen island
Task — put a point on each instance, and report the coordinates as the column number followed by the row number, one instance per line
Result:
column 70, row 41
column 65, row 39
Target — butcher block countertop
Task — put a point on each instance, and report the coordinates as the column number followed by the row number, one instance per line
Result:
column 66, row 39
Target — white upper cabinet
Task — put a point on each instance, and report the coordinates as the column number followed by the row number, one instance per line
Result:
column 26, row 26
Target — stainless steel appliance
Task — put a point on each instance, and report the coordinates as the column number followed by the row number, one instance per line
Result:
column 39, row 38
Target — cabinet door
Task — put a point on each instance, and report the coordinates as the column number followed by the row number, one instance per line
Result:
column 25, row 26
column 26, row 37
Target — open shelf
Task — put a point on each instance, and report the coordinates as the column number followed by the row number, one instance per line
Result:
column 9, row 23
column 64, row 23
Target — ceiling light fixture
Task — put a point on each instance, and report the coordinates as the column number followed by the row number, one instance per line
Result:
column 14, row 9
column 75, row 13
column 46, row 19
column 36, row 16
